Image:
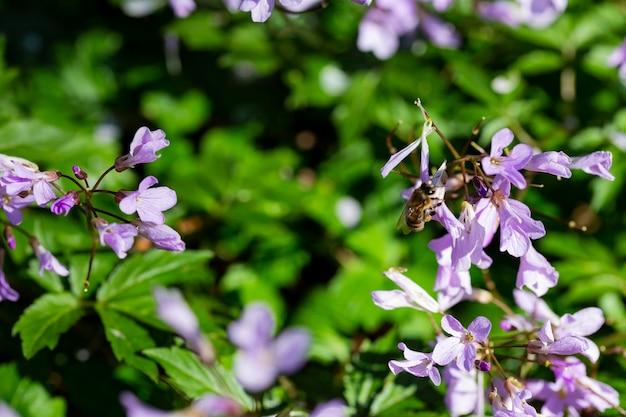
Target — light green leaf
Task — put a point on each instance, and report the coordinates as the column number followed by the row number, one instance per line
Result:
column 45, row 320
column 136, row 275
column 127, row 338
column 195, row 379
column 28, row 398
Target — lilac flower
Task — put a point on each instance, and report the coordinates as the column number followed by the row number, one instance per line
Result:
column 13, row 204
column 6, row 292
column 148, row 203
column 548, row 345
column 536, row 273
column 143, row 148
column 596, row 163
column 506, row 12
column 618, row 59
column 7, row 411
column 23, row 179
column 65, row 203
column 332, row 408
column 7, row 163
column 507, row 166
column 463, row 393
column 46, row 260
column 209, row 405
column 551, row 162
column 416, row 363
column 163, row 236
column 261, row 10
column 396, row 158
column 261, row 358
column 517, row 228
column 572, row 391
column 440, row 33
column 453, row 285
column 541, row 13
column 120, row 237
column 461, row 345
column 582, row 323
column 364, row 2
column 182, row 8
column 515, row 404
column 384, row 24
column 536, row 309
column 412, row 295
column 175, row 312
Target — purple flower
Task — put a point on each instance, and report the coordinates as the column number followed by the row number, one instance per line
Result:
column 163, row 236
column 537, row 310
column 364, row 2
column 548, row 345
column 261, row 10
column 65, row 203
column 618, row 59
column 572, row 391
column 120, row 237
column 541, row 13
column 461, row 345
column 596, row 163
column 143, row 148
column 175, row 312
column 261, row 358
column 7, row 411
column 148, row 203
column 440, row 33
column 384, row 24
column 9, row 236
column 206, row 406
column 517, row 228
column 6, row 292
column 182, row 8
column 515, row 404
column 46, row 260
column 463, row 392
column 582, row 323
column 453, row 285
column 536, row 273
column 505, row 12
column 507, row 166
column 332, row 408
column 13, row 204
column 396, row 158
column 79, row 173
column 416, row 363
column 412, row 295
column 551, row 162
column 23, row 179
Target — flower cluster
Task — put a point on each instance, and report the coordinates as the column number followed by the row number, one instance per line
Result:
column 23, row 184
column 468, row 354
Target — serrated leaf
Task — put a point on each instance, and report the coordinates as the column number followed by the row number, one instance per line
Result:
column 45, row 320
column 195, row 379
column 138, row 274
column 127, row 338
column 28, row 398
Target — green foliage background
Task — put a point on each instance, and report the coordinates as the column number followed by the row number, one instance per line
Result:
column 271, row 127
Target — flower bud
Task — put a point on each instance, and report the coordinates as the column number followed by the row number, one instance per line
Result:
column 79, row 173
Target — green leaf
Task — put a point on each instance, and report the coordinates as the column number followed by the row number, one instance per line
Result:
column 195, row 379
column 539, row 62
column 45, row 320
column 28, row 398
column 139, row 273
column 127, row 338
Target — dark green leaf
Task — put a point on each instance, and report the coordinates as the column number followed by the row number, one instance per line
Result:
column 138, row 274
column 45, row 320
column 195, row 379
column 28, row 398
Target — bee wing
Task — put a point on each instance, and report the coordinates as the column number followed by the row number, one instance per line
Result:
column 401, row 224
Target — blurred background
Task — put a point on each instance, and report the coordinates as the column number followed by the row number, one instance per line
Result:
column 277, row 136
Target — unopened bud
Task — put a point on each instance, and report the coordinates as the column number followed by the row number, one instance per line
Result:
column 79, row 173
column 9, row 236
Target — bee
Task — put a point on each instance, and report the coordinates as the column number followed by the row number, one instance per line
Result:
column 420, row 207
